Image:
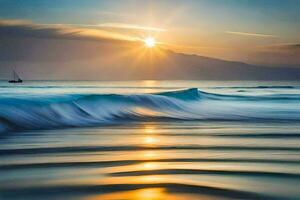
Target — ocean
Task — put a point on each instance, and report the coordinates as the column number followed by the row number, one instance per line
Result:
column 147, row 140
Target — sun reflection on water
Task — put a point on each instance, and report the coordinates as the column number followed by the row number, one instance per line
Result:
column 150, row 166
column 150, row 140
column 149, row 155
column 140, row 194
column 150, row 86
column 155, row 193
column 149, row 129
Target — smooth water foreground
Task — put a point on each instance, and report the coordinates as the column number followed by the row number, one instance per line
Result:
column 150, row 140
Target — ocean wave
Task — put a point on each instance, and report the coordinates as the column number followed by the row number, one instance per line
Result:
column 205, row 171
column 261, row 87
column 117, row 163
column 28, row 112
column 95, row 149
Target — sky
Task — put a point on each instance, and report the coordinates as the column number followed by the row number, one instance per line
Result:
column 261, row 32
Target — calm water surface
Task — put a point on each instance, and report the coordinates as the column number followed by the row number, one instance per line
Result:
column 150, row 140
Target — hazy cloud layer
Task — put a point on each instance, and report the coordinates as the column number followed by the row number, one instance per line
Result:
column 21, row 28
column 115, row 26
column 131, row 26
column 251, row 34
column 22, row 40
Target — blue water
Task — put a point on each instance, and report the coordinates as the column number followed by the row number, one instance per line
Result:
column 39, row 105
column 150, row 140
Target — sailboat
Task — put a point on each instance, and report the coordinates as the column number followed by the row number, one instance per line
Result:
column 15, row 78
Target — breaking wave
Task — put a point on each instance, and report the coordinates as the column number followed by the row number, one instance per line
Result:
column 77, row 110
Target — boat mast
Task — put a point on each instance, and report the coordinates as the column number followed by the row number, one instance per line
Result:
column 14, row 75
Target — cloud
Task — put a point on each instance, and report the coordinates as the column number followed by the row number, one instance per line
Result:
column 28, row 41
column 130, row 26
column 22, row 29
column 114, row 25
column 251, row 34
column 14, row 22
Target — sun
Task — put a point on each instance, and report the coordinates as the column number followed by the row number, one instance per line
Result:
column 150, row 42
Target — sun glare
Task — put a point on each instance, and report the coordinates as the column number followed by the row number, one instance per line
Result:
column 149, row 42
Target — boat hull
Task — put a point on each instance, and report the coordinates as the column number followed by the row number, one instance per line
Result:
column 12, row 81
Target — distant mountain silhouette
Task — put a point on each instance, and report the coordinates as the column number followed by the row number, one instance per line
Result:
column 184, row 66
column 59, row 59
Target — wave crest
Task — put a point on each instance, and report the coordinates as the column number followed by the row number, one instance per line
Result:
column 76, row 110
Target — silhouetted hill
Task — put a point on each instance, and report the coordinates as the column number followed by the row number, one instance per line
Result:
column 60, row 59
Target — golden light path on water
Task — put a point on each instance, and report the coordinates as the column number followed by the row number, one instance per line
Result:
column 150, row 163
column 155, row 193
column 148, row 194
